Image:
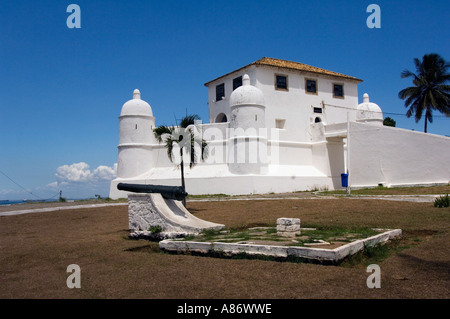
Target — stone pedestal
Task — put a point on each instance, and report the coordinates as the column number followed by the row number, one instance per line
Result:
column 152, row 216
column 288, row 227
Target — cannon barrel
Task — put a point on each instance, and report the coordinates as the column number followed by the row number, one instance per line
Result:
column 168, row 192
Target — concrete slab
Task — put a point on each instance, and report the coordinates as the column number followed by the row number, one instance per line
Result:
column 321, row 255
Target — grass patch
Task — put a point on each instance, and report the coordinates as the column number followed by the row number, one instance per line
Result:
column 206, row 196
column 117, row 268
column 442, row 201
column 333, row 234
column 382, row 190
column 321, row 233
column 375, row 254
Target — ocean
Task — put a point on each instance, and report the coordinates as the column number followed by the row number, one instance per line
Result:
column 11, row 202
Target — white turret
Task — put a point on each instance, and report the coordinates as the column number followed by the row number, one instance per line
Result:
column 248, row 134
column 369, row 112
column 136, row 124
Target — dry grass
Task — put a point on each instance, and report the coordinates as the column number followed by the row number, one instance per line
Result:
column 425, row 190
column 37, row 248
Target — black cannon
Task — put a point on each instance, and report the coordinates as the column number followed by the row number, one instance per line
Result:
column 168, row 192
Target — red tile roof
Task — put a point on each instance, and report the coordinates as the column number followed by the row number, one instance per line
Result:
column 296, row 66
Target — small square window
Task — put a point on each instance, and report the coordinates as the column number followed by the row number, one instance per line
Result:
column 338, row 90
column 220, row 92
column 279, row 123
column 237, row 82
column 281, row 82
column 311, row 86
column 317, row 110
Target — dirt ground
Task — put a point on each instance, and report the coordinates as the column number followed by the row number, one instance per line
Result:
column 37, row 248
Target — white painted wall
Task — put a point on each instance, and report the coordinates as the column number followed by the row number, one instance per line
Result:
column 295, row 106
column 223, row 106
column 394, row 156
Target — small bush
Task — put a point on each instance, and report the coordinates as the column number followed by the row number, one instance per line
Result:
column 155, row 229
column 442, row 201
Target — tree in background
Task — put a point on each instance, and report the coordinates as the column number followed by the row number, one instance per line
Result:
column 430, row 91
column 389, row 122
column 185, row 137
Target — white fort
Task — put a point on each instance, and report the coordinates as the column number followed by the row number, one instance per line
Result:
column 281, row 126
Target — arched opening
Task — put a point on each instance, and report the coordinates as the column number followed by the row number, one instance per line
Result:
column 221, row 118
column 317, row 120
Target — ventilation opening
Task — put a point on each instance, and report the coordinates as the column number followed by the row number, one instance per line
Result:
column 317, row 120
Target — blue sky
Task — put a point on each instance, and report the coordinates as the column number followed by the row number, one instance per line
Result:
column 61, row 89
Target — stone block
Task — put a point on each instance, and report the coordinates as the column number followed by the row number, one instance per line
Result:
column 288, row 221
column 289, row 234
column 288, row 227
column 291, row 228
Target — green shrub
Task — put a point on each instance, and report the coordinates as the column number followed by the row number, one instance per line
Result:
column 442, row 201
column 155, row 229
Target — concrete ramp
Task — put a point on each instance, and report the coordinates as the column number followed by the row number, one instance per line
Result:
column 151, row 215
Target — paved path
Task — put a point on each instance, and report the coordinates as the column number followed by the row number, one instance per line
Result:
column 56, row 208
column 50, row 207
column 405, row 198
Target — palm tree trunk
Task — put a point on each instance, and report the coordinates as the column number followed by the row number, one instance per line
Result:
column 426, row 121
column 182, row 176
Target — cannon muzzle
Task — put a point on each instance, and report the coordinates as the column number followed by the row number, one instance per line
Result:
column 168, row 192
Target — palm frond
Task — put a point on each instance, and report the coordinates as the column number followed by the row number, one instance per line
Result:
column 187, row 137
column 189, row 120
column 407, row 74
column 160, row 131
column 430, row 91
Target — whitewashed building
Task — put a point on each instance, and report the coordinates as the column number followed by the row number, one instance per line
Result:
column 282, row 126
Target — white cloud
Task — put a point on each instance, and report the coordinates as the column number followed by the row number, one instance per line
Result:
column 53, row 185
column 77, row 172
column 7, row 191
column 76, row 181
column 81, row 173
column 104, row 173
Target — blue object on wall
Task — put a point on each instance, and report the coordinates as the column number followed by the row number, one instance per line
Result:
column 344, row 180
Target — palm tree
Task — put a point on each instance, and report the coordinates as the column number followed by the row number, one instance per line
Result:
column 388, row 121
column 430, row 91
column 185, row 137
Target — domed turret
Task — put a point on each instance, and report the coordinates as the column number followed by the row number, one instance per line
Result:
column 246, row 94
column 136, row 106
column 369, row 112
column 247, row 106
column 247, row 140
column 136, row 124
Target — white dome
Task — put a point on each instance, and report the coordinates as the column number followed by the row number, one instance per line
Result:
column 247, row 94
column 368, row 110
column 136, row 106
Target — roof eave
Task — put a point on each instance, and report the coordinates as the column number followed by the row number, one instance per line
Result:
column 258, row 63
